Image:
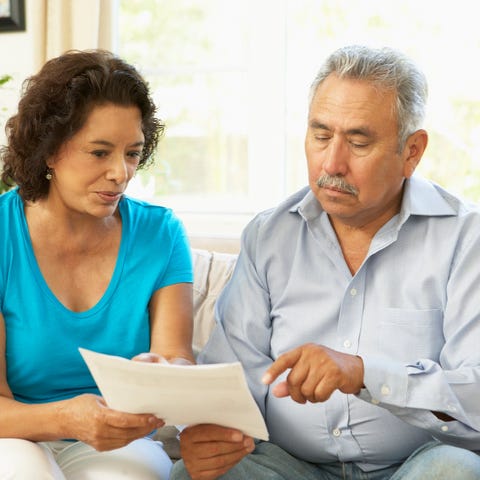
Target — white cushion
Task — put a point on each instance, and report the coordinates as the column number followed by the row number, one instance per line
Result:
column 212, row 270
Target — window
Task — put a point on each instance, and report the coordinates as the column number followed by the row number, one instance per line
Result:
column 231, row 81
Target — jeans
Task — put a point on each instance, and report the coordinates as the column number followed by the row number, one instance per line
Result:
column 432, row 461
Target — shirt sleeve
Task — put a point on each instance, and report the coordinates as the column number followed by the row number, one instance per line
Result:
column 243, row 325
column 450, row 385
column 179, row 267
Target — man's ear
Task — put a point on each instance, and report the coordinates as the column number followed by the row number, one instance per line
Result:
column 413, row 151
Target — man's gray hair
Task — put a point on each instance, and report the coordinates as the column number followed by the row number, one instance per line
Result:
column 387, row 69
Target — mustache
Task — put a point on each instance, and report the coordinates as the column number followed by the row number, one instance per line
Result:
column 337, row 182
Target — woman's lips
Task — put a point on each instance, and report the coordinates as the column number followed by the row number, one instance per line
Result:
column 109, row 197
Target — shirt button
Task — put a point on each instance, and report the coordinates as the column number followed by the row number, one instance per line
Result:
column 375, row 401
column 336, row 432
column 451, row 408
column 353, row 292
column 347, row 343
column 444, row 428
column 385, row 390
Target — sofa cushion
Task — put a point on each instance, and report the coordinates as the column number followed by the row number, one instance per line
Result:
column 212, row 270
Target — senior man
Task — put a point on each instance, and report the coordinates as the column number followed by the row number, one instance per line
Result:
column 354, row 304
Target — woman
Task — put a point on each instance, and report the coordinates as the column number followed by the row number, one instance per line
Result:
column 82, row 265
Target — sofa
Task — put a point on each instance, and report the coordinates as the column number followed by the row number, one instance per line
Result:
column 212, row 270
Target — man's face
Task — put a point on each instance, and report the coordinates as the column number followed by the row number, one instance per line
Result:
column 352, row 136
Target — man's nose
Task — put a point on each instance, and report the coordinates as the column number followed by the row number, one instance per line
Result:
column 336, row 158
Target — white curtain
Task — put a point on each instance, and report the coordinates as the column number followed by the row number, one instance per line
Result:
column 76, row 24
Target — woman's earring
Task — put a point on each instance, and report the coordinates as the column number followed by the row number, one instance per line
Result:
column 49, row 174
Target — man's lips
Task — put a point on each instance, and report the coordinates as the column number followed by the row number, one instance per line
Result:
column 336, row 189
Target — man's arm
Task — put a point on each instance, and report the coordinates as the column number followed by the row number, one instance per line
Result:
column 242, row 333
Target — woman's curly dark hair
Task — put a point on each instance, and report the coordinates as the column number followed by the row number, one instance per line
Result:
column 55, row 104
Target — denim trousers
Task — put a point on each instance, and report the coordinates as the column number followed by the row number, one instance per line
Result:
column 432, row 461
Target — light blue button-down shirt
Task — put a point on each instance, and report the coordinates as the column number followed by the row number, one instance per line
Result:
column 412, row 312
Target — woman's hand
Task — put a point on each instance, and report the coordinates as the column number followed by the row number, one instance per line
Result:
column 88, row 419
column 150, row 357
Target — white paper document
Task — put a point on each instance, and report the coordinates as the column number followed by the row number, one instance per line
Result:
column 179, row 394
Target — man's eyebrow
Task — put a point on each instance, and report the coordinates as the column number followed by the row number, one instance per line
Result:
column 364, row 131
column 318, row 125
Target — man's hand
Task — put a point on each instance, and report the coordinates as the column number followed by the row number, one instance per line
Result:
column 209, row 451
column 316, row 372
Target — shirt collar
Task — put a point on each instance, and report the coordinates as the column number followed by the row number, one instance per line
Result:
column 420, row 197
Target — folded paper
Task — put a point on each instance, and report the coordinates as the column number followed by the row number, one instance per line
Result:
column 179, row 394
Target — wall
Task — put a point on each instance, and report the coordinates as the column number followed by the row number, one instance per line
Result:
column 20, row 56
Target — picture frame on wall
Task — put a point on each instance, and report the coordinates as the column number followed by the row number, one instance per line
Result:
column 12, row 15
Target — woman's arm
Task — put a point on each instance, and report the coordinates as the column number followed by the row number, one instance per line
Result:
column 85, row 417
column 171, row 322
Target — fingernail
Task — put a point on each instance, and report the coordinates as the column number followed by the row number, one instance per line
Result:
column 155, row 420
column 142, row 357
column 267, row 379
column 249, row 445
column 237, row 437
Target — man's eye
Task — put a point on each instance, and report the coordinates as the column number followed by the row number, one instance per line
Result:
column 135, row 154
column 359, row 145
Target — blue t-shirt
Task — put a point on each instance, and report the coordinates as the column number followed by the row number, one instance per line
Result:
column 43, row 337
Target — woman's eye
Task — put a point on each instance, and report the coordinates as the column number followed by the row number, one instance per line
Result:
column 135, row 154
column 99, row 153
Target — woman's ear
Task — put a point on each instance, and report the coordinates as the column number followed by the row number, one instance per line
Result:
column 50, row 162
column 413, row 151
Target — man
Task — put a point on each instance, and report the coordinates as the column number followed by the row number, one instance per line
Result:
column 354, row 304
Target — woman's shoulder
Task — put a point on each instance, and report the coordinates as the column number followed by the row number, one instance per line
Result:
column 149, row 217
column 8, row 197
column 9, row 206
column 141, row 208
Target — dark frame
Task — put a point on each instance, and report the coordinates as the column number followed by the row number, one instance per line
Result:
column 16, row 21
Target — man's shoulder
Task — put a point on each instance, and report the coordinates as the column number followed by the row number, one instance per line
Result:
column 278, row 215
column 275, row 228
column 430, row 198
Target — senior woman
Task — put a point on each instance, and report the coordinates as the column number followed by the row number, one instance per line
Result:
column 83, row 265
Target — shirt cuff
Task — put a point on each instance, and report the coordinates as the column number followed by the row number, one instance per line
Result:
column 385, row 381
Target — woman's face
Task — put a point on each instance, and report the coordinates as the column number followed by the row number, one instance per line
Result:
column 92, row 169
